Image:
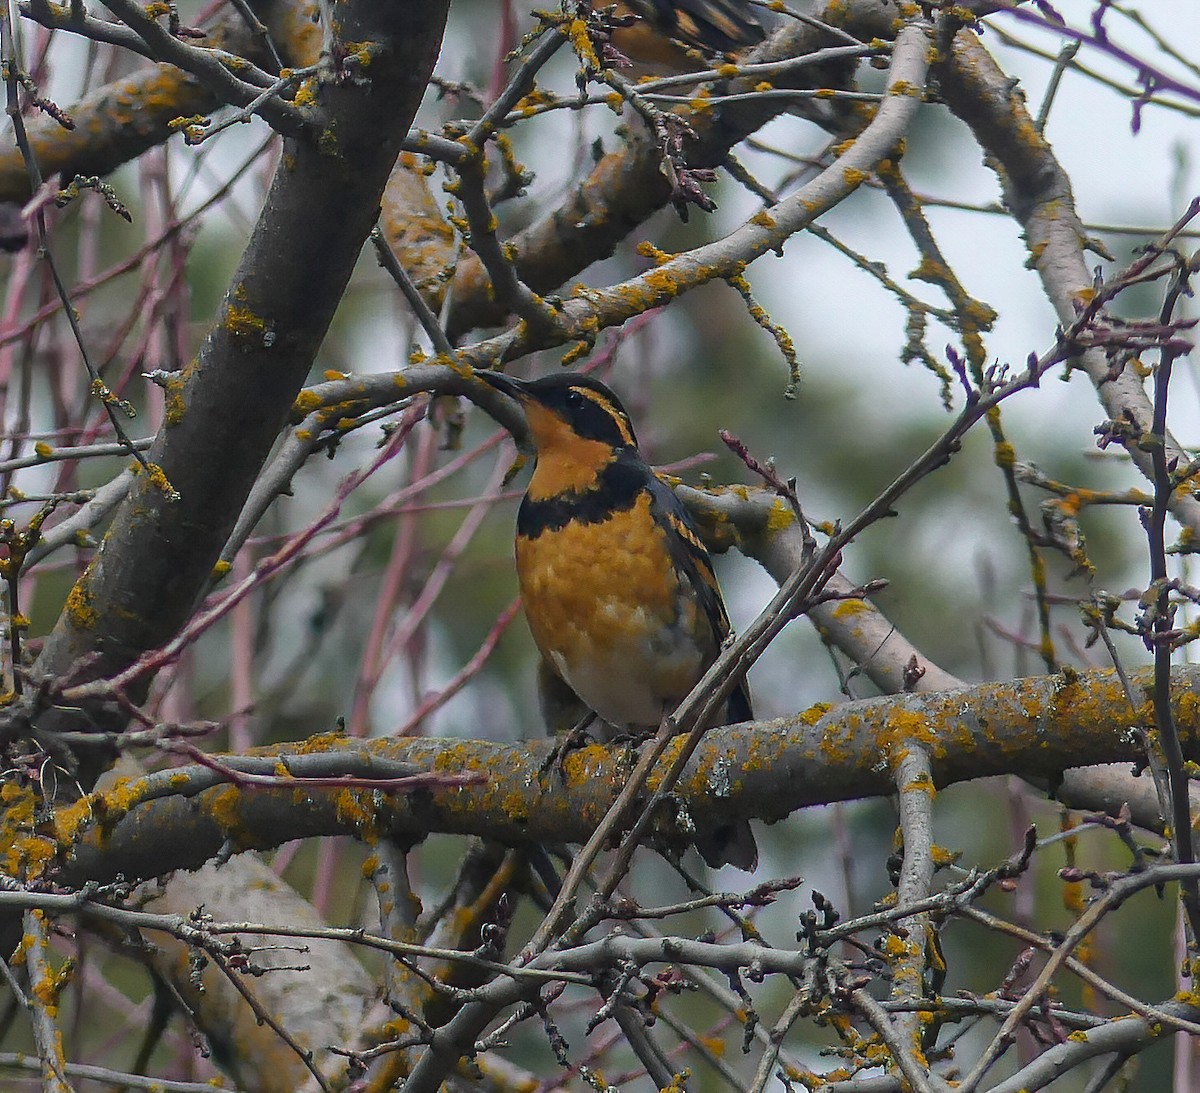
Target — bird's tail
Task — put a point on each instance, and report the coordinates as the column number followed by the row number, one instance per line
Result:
column 729, row 844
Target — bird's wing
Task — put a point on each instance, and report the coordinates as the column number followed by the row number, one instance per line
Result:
column 720, row 26
column 692, row 558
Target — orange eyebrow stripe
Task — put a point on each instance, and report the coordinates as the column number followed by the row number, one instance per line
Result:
column 614, row 412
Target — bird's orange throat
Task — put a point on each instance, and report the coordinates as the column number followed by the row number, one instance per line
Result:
column 566, row 461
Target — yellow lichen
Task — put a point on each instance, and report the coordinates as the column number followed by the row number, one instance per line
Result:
column 174, row 403
column 70, row 820
column 79, row 606
column 224, row 805
column 306, row 93
column 158, row 478
column 781, row 516
column 242, row 322
column 814, row 713
column 944, row 857
column 306, row 402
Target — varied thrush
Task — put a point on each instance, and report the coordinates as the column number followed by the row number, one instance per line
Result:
column 618, row 589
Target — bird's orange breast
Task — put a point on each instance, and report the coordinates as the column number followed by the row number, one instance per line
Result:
column 609, row 611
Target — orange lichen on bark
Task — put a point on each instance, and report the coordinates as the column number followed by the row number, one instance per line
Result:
column 224, row 805
column 242, row 322
column 902, row 728
column 815, row 712
column 71, row 820
column 26, row 852
column 157, row 477
column 921, row 784
column 174, row 404
column 356, row 807
column 321, row 742
column 79, row 606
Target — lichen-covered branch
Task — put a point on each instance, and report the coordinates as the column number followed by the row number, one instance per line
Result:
column 1038, row 726
column 628, row 185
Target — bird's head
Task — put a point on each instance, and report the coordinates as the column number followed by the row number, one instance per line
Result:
column 577, row 425
column 565, row 409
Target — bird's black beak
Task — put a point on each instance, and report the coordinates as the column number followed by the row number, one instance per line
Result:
column 511, row 417
column 514, row 388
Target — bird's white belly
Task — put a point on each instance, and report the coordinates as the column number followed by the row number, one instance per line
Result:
column 635, row 684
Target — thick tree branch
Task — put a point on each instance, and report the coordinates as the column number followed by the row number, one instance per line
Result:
column 113, row 125
column 315, row 1017
column 628, row 186
column 1038, row 726
column 226, row 408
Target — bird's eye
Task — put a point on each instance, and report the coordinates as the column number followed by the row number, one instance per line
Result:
column 574, row 399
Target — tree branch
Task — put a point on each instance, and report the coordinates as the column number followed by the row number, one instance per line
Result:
column 1037, row 727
